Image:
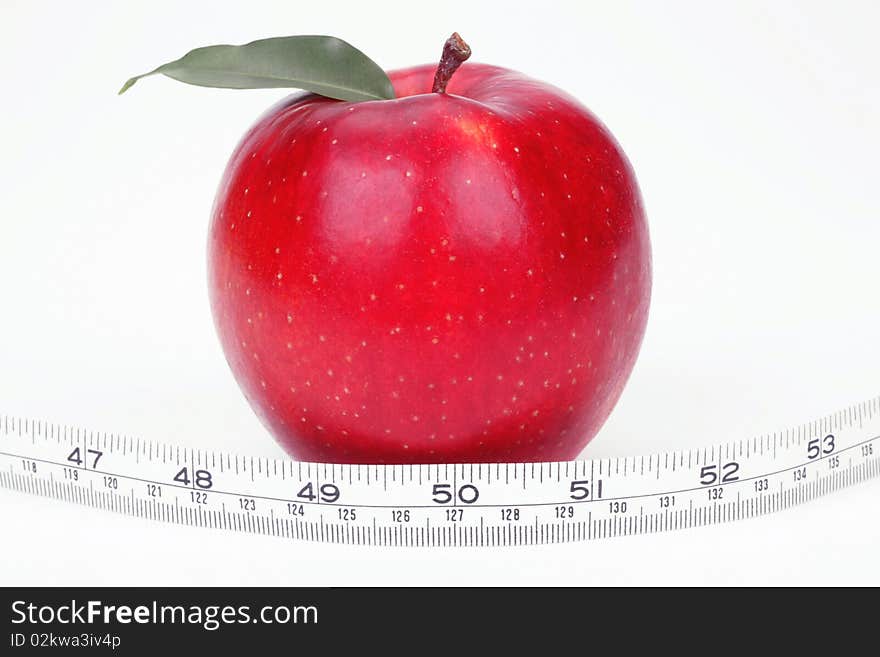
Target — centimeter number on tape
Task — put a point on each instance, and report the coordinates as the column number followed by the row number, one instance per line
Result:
column 443, row 505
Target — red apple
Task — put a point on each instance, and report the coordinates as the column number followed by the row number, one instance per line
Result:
column 443, row 277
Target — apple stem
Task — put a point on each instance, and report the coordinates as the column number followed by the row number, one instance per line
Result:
column 455, row 51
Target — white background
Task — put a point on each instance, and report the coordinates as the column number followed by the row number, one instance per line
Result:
column 753, row 130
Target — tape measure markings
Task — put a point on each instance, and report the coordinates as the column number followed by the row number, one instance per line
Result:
column 429, row 506
column 444, row 504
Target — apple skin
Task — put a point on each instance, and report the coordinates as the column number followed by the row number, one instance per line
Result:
column 460, row 277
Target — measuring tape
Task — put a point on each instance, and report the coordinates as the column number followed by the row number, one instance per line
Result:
column 443, row 505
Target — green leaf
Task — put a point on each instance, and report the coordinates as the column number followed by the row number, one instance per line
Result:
column 321, row 64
